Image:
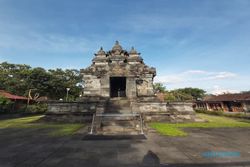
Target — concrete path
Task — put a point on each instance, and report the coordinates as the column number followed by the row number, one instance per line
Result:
column 33, row 147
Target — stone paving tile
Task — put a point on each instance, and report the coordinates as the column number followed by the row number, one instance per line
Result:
column 35, row 148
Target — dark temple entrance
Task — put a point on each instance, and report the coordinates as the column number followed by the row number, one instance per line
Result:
column 117, row 86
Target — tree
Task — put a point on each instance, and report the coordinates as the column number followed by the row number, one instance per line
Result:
column 169, row 96
column 39, row 80
column 5, row 104
column 195, row 93
column 184, row 94
column 13, row 77
column 159, row 87
column 19, row 79
column 181, row 96
column 61, row 80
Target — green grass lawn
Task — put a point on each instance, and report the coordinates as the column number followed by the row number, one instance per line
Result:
column 176, row 129
column 55, row 129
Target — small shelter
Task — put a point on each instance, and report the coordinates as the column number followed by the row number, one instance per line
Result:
column 18, row 101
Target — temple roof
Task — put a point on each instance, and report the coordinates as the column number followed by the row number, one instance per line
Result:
column 133, row 51
column 101, row 52
column 117, row 46
column 118, row 62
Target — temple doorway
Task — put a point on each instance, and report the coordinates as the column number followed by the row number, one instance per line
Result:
column 117, row 86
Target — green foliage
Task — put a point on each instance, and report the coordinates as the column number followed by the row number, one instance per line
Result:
column 168, row 129
column 170, row 96
column 159, row 87
column 183, row 94
column 195, row 93
column 18, row 122
column 19, row 79
column 39, row 81
column 37, row 108
column 222, row 113
column 4, row 101
column 5, row 104
column 33, row 122
column 13, row 77
column 62, row 80
column 219, row 113
column 171, row 129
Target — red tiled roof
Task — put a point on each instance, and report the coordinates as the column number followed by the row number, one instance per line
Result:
column 229, row 97
column 11, row 96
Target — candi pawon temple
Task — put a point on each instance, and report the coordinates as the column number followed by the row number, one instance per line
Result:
column 118, row 85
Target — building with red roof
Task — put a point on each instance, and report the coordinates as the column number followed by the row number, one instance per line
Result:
column 11, row 96
column 18, row 101
column 226, row 102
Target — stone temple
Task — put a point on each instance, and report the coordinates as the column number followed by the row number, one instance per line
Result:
column 119, row 84
column 118, row 73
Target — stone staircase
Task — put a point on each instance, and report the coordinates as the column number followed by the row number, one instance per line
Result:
column 117, row 119
column 118, row 105
column 119, row 124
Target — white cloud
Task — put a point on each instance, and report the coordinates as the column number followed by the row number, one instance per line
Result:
column 194, row 76
column 222, row 75
column 207, row 80
column 170, row 79
column 195, row 72
column 217, row 90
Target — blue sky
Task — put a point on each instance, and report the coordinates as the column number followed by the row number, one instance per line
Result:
column 192, row 43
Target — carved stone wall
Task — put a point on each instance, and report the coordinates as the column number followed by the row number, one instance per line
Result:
column 152, row 111
column 159, row 111
column 118, row 63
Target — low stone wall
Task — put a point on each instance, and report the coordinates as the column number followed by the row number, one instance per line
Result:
column 160, row 111
column 167, row 117
column 81, row 111
column 181, row 107
column 152, row 111
column 71, row 107
column 69, row 117
column 146, row 107
column 92, row 105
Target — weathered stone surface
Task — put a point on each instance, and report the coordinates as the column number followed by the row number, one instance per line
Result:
column 118, row 63
column 152, row 111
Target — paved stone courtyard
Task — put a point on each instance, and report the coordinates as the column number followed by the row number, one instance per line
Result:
column 33, row 147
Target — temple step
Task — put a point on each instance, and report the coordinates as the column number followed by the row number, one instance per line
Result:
column 118, row 102
column 119, row 128
column 126, row 123
column 122, row 118
column 118, row 111
column 109, row 123
column 118, row 105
